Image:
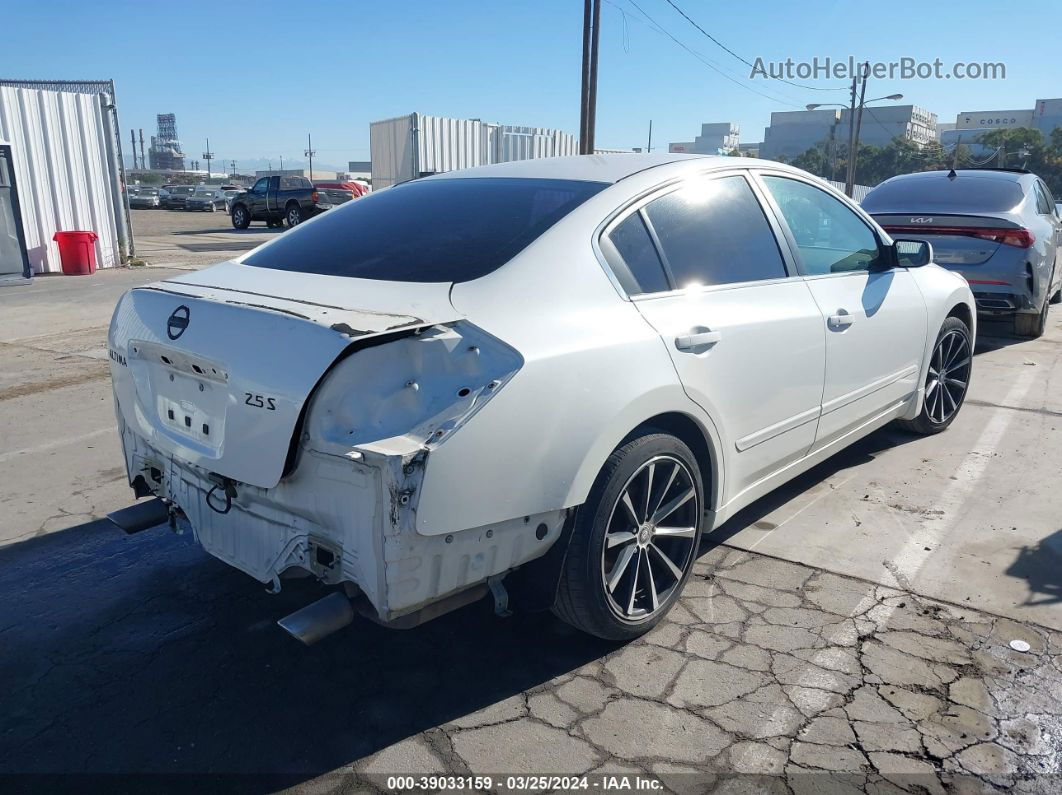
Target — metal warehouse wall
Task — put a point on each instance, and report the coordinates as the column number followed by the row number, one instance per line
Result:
column 59, row 147
column 408, row 146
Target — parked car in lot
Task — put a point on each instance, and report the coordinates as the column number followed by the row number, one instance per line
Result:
column 276, row 199
column 999, row 228
column 144, row 198
column 205, row 198
column 569, row 366
column 177, row 196
column 228, row 193
column 332, row 194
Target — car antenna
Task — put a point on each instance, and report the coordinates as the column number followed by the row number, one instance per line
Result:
column 952, row 174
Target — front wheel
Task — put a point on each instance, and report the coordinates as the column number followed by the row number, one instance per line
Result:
column 241, row 218
column 948, row 379
column 634, row 541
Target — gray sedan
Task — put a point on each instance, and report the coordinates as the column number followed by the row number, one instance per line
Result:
column 205, row 199
column 999, row 228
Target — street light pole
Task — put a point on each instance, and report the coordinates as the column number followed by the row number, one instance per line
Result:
column 854, row 123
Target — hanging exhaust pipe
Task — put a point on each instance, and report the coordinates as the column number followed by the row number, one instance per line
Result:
column 141, row 516
column 319, row 619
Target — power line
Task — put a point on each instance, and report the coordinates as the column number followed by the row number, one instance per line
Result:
column 743, row 60
column 655, row 26
column 703, row 59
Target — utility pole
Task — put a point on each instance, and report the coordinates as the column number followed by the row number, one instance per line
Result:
column 649, row 146
column 588, row 100
column 208, row 156
column 848, row 177
column 232, row 163
column 282, row 165
column 143, row 160
column 132, row 139
column 859, row 124
column 310, row 153
column 955, row 154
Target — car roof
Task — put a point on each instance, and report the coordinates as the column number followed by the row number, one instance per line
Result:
column 590, row 168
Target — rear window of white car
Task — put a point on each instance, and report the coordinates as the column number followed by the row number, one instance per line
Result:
column 438, row 230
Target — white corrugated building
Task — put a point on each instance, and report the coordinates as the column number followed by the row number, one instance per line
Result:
column 417, row 145
column 60, row 170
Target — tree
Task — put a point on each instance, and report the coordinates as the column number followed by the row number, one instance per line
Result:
column 901, row 156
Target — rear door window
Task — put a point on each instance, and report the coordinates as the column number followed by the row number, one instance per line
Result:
column 633, row 258
column 1043, row 204
column 714, row 231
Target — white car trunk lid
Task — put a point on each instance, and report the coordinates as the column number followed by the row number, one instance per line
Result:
column 215, row 367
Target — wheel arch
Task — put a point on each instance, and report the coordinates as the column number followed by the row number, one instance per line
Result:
column 691, row 433
column 962, row 311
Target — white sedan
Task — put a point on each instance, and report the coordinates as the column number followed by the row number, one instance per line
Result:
column 573, row 367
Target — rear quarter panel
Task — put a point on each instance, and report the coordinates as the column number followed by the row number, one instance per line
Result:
column 594, row 370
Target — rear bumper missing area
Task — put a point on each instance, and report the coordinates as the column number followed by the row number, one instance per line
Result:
column 347, row 520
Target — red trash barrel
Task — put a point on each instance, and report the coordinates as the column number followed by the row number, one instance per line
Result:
column 77, row 251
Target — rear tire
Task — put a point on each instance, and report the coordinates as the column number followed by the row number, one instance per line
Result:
column 1057, row 297
column 1032, row 326
column 293, row 214
column 947, row 381
column 628, row 559
column 241, row 217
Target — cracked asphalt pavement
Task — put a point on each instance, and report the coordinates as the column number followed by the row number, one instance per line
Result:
column 888, row 622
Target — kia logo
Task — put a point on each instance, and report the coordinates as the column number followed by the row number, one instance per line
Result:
column 177, row 322
column 922, row 220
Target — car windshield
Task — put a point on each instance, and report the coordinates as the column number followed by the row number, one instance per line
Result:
column 966, row 193
column 148, row 192
column 204, row 191
column 184, row 190
column 436, row 230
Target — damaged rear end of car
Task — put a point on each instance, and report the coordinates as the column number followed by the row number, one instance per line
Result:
column 293, row 436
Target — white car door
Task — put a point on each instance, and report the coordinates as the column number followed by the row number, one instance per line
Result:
column 874, row 315
column 702, row 262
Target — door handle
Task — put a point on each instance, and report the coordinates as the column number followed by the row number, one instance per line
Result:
column 697, row 339
column 841, row 319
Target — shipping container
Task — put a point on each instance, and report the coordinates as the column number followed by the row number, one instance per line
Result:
column 407, row 147
column 62, row 154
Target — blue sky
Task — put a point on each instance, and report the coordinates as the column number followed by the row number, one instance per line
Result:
column 256, row 77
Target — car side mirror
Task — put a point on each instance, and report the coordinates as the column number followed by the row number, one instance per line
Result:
column 913, row 253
